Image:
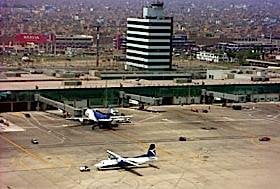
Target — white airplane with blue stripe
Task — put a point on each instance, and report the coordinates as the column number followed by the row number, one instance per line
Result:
column 116, row 161
column 102, row 119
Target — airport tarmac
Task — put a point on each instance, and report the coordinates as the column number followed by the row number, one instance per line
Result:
column 229, row 155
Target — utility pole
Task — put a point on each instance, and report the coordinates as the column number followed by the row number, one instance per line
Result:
column 97, row 43
column 99, row 21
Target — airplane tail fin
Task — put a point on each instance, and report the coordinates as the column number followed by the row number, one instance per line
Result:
column 152, row 151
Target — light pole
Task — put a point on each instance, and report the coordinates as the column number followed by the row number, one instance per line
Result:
column 99, row 21
column 97, row 44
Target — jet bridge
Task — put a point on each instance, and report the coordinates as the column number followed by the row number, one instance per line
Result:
column 59, row 105
column 224, row 96
column 141, row 99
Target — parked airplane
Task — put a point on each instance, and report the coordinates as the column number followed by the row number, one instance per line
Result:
column 116, row 161
column 103, row 120
column 119, row 117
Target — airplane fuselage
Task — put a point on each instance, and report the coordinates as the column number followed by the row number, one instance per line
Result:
column 114, row 163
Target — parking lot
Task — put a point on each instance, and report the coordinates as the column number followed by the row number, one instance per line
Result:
column 222, row 149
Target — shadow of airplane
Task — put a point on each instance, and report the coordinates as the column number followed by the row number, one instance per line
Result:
column 131, row 169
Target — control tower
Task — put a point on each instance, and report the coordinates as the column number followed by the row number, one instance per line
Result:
column 149, row 39
column 155, row 10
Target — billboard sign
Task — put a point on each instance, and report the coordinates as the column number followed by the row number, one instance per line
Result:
column 23, row 38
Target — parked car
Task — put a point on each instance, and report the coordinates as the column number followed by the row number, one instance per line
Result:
column 34, row 141
column 194, row 110
column 84, row 169
column 181, row 138
column 264, row 139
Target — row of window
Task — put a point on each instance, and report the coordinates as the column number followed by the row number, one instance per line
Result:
column 149, row 43
column 64, row 47
column 147, row 37
column 148, row 50
column 146, row 63
column 149, row 23
column 74, row 42
column 149, row 30
column 70, row 45
column 148, row 56
column 211, row 56
column 73, row 39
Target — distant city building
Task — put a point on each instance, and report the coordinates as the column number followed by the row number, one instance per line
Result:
column 119, row 42
column 6, row 43
column 181, row 43
column 212, row 57
column 256, row 44
column 26, row 42
column 74, row 42
column 261, row 63
column 149, row 39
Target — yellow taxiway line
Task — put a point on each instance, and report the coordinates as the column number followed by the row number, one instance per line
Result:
column 33, row 155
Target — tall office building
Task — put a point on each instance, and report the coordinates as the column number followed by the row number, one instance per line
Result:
column 149, row 39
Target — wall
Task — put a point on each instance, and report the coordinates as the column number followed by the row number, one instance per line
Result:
column 217, row 74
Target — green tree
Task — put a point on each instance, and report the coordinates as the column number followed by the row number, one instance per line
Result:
column 247, row 54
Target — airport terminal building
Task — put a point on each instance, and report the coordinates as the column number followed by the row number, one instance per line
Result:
column 149, row 40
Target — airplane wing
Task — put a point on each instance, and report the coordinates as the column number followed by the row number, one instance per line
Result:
column 114, row 154
column 130, row 162
column 122, row 119
column 116, row 117
column 78, row 118
column 120, row 158
column 104, row 120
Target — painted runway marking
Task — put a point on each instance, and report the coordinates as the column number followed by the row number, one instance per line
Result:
column 219, row 120
column 45, row 116
column 148, row 118
column 144, row 146
column 167, row 120
column 276, row 116
column 11, row 128
column 55, row 134
column 228, row 118
column 33, row 155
